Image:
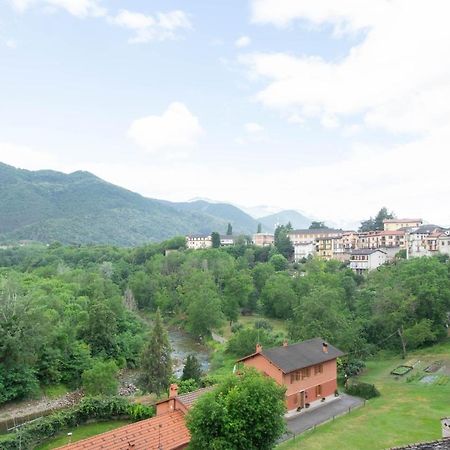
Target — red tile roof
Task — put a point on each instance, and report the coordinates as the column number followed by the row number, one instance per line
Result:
column 167, row 431
column 191, row 397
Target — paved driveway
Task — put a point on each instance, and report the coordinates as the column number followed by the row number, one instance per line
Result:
column 321, row 414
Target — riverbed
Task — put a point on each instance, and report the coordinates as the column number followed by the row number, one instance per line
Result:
column 182, row 346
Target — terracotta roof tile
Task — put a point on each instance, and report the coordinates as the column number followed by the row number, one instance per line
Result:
column 191, row 397
column 168, row 429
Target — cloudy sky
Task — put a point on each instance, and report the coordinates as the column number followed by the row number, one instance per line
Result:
column 331, row 107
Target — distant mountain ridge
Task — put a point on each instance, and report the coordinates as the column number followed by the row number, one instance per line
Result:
column 296, row 219
column 81, row 208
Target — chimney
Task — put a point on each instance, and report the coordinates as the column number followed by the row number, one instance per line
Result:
column 285, row 343
column 173, row 392
column 325, row 347
column 258, row 348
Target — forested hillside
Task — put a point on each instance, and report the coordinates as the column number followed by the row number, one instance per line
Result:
column 48, row 206
column 64, row 307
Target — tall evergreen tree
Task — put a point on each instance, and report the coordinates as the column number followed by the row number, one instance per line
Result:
column 215, row 239
column 156, row 359
column 229, row 229
column 192, row 369
column 259, row 229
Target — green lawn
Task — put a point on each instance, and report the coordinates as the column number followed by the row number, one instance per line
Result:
column 406, row 412
column 82, row 432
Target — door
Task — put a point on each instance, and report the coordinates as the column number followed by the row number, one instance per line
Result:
column 302, row 399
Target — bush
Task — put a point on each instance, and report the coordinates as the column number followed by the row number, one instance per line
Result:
column 101, row 379
column 363, row 390
column 97, row 408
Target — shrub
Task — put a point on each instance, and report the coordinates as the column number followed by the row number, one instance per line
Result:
column 97, row 408
column 101, row 379
column 364, row 390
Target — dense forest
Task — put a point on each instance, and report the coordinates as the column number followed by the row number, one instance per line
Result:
column 62, row 308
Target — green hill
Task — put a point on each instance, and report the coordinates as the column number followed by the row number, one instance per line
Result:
column 81, row 208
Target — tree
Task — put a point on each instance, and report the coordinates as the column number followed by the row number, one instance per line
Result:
column 282, row 242
column 156, row 360
column 278, row 296
column 229, row 229
column 203, row 305
column 279, row 262
column 376, row 223
column 102, row 329
column 192, row 369
column 101, row 379
column 244, row 412
column 259, row 229
column 215, row 239
column 317, row 225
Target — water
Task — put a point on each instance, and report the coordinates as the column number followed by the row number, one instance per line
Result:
column 183, row 345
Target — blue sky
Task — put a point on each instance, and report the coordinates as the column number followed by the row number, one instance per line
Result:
column 290, row 103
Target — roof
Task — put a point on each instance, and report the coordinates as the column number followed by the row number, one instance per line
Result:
column 198, row 236
column 401, row 220
column 167, row 431
column 297, row 356
column 315, row 231
column 191, row 397
column 366, row 251
column 441, row 444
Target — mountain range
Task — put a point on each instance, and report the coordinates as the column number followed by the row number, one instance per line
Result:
column 80, row 208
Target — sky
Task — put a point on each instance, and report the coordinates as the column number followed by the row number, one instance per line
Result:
column 333, row 108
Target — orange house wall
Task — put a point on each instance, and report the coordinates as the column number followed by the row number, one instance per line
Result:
column 327, row 379
column 263, row 365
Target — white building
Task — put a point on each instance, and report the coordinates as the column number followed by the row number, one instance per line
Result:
column 304, row 249
column 421, row 241
column 364, row 260
column 197, row 241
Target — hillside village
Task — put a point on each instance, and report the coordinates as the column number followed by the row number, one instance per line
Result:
column 364, row 251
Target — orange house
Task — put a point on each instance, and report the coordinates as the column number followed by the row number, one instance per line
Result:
column 308, row 370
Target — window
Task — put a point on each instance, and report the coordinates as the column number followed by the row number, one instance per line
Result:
column 305, row 372
column 297, row 375
column 318, row 369
column 318, row 390
column 292, row 377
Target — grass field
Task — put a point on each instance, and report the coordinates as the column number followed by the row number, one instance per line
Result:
column 408, row 410
column 248, row 321
column 82, row 432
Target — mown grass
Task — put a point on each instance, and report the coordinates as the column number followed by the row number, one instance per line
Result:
column 406, row 412
column 82, row 432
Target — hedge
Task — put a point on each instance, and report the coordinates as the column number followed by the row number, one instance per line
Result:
column 90, row 408
column 364, row 390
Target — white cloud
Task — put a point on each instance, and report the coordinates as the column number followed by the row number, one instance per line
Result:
column 243, row 41
column 346, row 15
column 26, row 157
column 148, row 28
column 176, row 130
column 253, row 127
column 397, row 78
column 11, row 43
column 79, row 8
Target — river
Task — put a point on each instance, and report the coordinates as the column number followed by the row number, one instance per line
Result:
column 182, row 346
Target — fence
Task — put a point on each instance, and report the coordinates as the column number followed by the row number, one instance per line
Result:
column 290, row 435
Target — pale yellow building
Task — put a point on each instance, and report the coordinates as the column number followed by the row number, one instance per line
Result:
column 397, row 224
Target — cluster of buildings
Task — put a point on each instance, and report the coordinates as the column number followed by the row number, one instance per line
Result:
column 364, row 251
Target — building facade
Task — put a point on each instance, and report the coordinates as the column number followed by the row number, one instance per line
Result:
column 365, row 260
column 263, row 239
column 197, row 241
column 397, row 224
column 308, row 370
